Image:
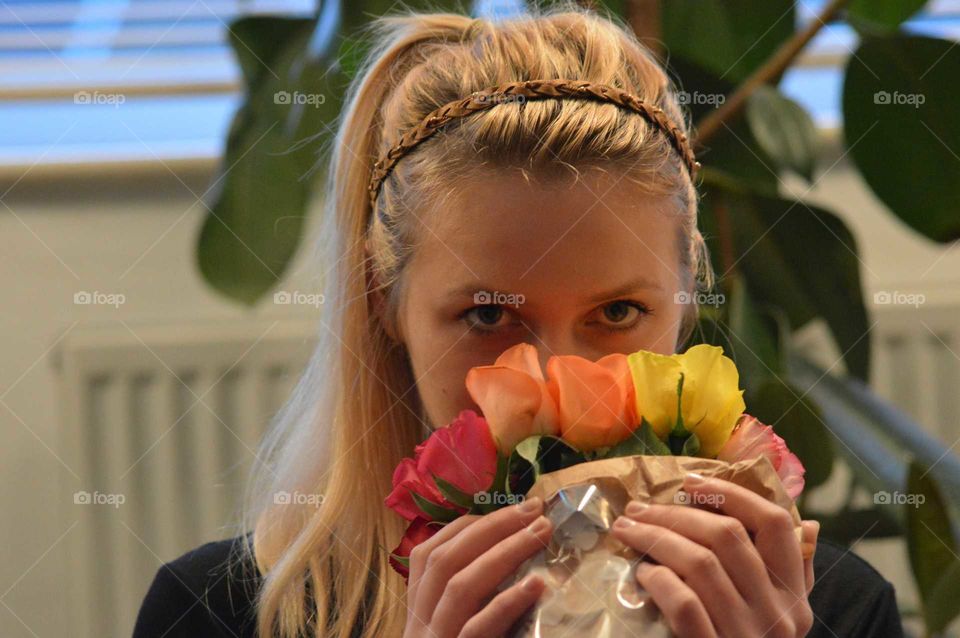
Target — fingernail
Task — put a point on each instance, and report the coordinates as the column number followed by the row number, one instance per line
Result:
column 635, row 508
column 530, row 505
column 539, row 525
column 531, row 582
column 624, row 523
column 695, row 479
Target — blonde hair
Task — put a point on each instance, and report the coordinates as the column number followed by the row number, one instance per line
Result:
column 355, row 412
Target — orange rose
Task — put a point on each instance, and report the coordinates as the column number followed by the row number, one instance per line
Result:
column 595, row 400
column 513, row 396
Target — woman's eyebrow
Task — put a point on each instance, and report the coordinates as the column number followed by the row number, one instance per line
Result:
column 634, row 285
column 479, row 289
column 475, row 290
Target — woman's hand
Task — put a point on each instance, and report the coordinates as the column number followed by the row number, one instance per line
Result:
column 734, row 573
column 455, row 573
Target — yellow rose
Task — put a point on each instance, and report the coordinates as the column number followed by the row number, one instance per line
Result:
column 711, row 401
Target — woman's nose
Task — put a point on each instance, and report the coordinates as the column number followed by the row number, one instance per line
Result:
column 550, row 345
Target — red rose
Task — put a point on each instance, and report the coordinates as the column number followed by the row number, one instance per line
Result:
column 462, row 453
column 419, row 530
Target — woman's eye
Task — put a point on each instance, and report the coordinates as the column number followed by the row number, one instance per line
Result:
column 622, row 315
column 485, row 318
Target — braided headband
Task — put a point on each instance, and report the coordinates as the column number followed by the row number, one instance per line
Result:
column 531, row 89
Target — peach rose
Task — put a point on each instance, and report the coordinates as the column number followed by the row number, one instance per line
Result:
column 513, row 396
column 595, row 401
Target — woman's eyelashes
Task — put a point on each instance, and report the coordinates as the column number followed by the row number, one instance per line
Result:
column 621, row 315
column 617, row 316
column 485, row 320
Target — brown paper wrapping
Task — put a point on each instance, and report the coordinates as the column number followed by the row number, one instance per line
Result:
column 591, row 590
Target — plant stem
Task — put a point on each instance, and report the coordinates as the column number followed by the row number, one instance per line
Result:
column 767, row 73
column 645, row 18
column 724, row 232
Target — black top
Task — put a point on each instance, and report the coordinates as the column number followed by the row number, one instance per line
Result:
column 194, row 596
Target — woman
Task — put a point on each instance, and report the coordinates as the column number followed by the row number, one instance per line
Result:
column 537, row 214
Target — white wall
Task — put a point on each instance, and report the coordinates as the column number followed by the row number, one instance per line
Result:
column 134, row 234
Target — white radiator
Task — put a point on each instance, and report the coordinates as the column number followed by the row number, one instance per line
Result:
column 160, row 426
column 916, row 365
column 167, row 419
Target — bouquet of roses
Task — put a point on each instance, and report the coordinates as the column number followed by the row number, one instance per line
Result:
column 644, row 403
column 577, row 411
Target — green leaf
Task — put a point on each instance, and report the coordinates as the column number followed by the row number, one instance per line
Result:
column 730, row 38
column 642, row 440
column 883, row 14
column 799, row 422
column 734, row 149
column 931, row 546
column 454, row 494
column 691, row 446
column 258, row 200
column 537, row 455
column 942, row 604
column 796, row 257
column 755, row 340
column 900, row 99
column 784, row 130
column 433, row 511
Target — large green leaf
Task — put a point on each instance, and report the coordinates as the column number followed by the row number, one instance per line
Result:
column 734, row 149
column 259, row 198
column 900, row 101
column 932, row 548
column 799, row 422
column 783, row 129
column 883, row 14
column 754, row 337
column 800, row 258
column 941, row 604
column 731, row 38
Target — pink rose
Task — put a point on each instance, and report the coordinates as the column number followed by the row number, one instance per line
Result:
column 417, row 532
column 751, row 438
column 461, row 453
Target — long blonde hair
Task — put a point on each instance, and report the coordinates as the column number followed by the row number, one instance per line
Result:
column 355, row 411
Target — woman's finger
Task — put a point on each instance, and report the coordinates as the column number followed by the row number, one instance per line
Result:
column 681, row 607
column 724, row 535
column 459, row 551
column 697, row 565
column 466, row 591
column 419, row 554
column 504, row 610
column 811, row 530
column 771, row 525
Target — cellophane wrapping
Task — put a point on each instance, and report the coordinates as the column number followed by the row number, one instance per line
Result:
column 590, row 589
